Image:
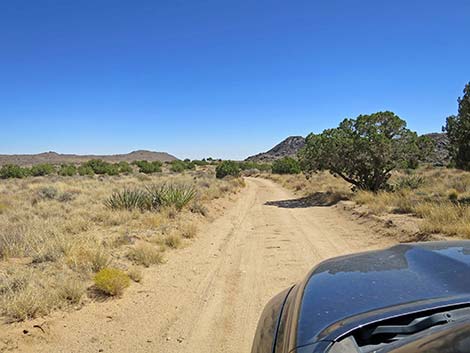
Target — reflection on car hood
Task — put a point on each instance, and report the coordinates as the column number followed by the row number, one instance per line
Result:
column 406, row 276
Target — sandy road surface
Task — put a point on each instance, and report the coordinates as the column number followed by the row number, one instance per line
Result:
column 208, row 297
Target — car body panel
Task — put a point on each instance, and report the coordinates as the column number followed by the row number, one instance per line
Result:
column 266, row 332
column 349, row 292
column 359, row 288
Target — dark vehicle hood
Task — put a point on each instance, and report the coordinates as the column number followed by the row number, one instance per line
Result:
column 343, row 293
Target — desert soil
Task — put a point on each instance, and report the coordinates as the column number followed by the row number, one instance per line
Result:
column 209, row 295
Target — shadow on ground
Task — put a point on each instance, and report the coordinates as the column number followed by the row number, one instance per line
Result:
column 318, row 199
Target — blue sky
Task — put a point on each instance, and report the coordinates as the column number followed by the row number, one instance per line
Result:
column 221, row 78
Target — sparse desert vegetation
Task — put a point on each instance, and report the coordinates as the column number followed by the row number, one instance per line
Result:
column 61, row 233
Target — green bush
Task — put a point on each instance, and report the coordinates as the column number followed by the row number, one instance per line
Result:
column 177, row 166
column 247, row 165
column 189, row 165
column 124, row 167
column 42, row 169
column 111, row 281
column 458, row 131
column 13, row 171
column 286, row 165
column 149, row 167
column 112, row 169
column 85, row 170
column 201, row 163
column 101, row 167
column 67, row 170
column 227, row 168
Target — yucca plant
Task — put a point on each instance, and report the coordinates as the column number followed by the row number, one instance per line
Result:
column 171, row 195
column 410, row 182
column 129, row 200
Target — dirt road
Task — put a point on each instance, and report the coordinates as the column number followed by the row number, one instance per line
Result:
column 208, row 297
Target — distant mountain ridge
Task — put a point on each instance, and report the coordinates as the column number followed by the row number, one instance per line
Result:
column 58, row 158
column 291, row 145
column 287, row 148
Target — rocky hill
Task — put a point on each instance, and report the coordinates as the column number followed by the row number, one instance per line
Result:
column 57, row 158
column 287, row 148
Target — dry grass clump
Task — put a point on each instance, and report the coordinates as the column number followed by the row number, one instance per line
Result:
column 199, row 208
column 135, row 274
column 111, row 281
column 446, row 218
column 88, row 257
column 173, row 241
column 146, row 254
column 71, row 289
column 28, row 293
column 188, row 230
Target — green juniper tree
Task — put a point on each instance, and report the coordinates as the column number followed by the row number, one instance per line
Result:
column 364, row 151
column 458, row 131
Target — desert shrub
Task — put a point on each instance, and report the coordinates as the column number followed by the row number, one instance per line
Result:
column 71, row 290
column 410, row 182
column 135, row 274
column 28, row 303
column 145, row 254
column 111, row 281
column 149, row 167
column 113, row 169
column 227, row 168
column 88, row 258
column 48, row 192
column 453, row 195
column 250, row 165
column 67, row 170
column 97, row 165
column 188, row 230
column 197, row 207
column 190, row 165
column 172, row 241
column 26, row 294
column 13, row 171
column 66, row 196
column 171, row 195
column 42, row 169
column 286, row 165
column 85, row 170
column 200, row 163
column 177, row 166
column 101, row 167
column 128, row 200
column 405, row 203
column 124, row 167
